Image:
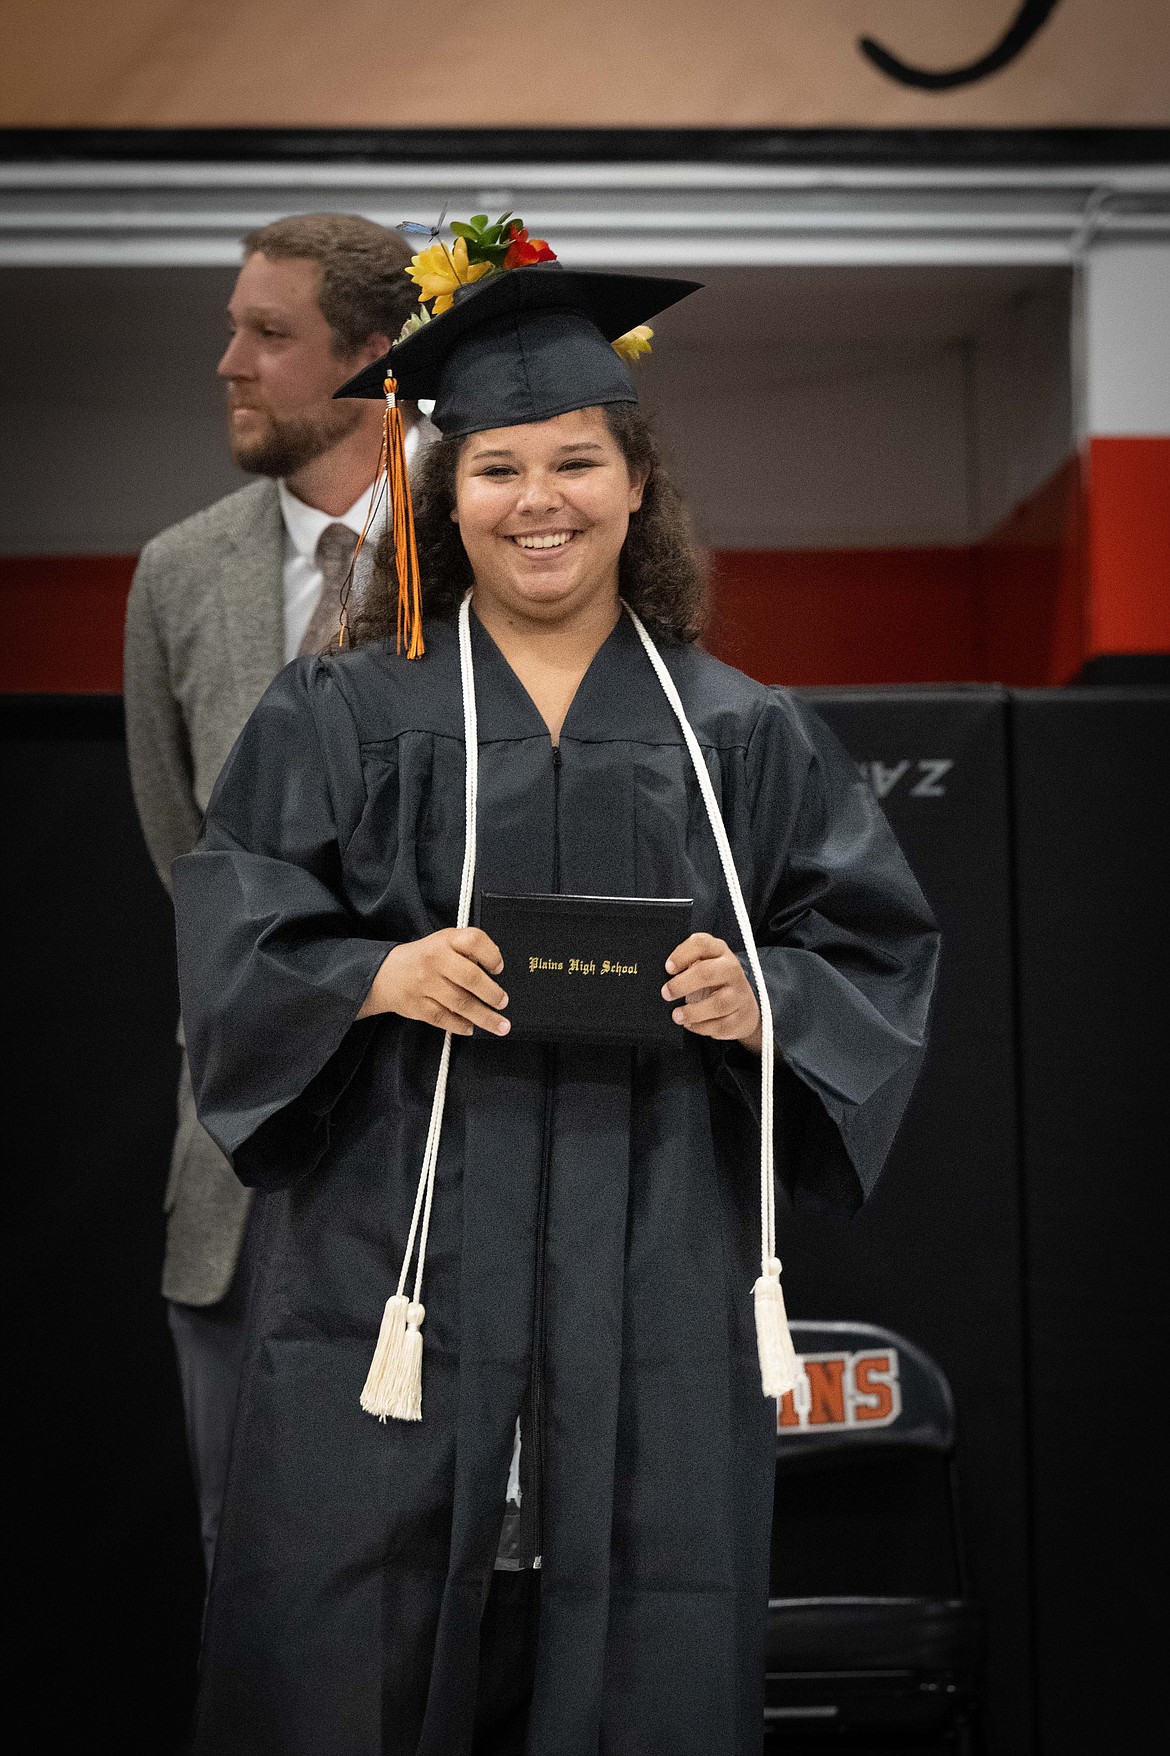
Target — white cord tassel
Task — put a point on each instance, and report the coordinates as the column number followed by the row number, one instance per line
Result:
column 377, row 1395
column 779, row 1365
column 393, row 1387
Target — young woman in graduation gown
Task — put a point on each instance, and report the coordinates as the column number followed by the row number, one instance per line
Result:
column 594, row 1231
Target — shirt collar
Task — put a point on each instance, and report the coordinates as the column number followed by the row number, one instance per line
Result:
column 305, row 524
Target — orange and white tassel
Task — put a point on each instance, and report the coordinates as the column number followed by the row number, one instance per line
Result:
column 392, row 488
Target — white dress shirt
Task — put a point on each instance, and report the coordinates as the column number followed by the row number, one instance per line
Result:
column 302, row 576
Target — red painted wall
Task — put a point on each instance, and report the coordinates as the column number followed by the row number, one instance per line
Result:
column 1082, row 567
column 1031, row 589
column 819, row 616
column 1129, row 545
column 845, row 616
column 62, row 618
column 1007, row 610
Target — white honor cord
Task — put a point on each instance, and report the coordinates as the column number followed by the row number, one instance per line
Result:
column 767, row 1045
column 426, row 1184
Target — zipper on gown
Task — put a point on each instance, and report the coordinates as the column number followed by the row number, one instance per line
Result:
column 532, row 1461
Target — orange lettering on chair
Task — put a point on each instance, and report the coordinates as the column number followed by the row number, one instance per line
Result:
column 826, row 1382
column 874, row 1393
column 786, row 1415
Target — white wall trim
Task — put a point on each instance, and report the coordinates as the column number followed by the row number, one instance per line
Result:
column 141, row 214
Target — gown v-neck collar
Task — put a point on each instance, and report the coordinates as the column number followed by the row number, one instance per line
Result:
column 618, row 696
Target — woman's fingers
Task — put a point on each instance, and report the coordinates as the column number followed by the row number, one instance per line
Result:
column 439, row 1016
column 739, row 1025
column 464, row 1005
column 465, row 986
column 699, row 945
column 703, row 962
column 718, row 1015
column 707, row 1006
column 717, row 1000
column 442, row 980
column 708, row 972
column 473, row 943
column 470, row 975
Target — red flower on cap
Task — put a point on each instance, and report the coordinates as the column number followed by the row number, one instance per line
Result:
column 523, row 250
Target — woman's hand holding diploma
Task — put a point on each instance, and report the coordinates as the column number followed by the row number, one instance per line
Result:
column 717, row 997
column 444, row 980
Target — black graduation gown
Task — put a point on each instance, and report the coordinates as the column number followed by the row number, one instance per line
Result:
column 596, row 1213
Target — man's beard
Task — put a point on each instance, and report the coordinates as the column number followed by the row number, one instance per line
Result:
column 285, row 447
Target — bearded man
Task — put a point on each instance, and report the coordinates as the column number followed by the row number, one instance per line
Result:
column 219, row 604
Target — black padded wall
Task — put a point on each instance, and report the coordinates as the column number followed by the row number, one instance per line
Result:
column 1092, row 809
column 105, row 1595
column 936, row 1253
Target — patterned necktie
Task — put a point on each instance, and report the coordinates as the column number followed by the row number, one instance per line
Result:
column 335, row 548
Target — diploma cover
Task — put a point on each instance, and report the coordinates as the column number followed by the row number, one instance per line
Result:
column 587, row 969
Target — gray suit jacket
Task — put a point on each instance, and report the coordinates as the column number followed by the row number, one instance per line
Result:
column 204, row 638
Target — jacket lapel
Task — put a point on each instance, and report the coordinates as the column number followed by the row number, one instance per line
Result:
column 252, row 595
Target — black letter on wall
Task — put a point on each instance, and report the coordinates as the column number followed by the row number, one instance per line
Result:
column 1032, row 14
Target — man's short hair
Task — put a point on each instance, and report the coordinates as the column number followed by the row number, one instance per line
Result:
column 364, row 289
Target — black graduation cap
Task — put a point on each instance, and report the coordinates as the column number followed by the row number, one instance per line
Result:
column 521, row 346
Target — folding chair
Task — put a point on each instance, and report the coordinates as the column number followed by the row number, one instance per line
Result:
column 860, row 1671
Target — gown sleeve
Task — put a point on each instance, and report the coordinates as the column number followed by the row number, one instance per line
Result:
column 273, row 967
column 849, row 950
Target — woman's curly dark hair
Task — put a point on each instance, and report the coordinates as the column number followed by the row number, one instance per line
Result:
column 659, row 570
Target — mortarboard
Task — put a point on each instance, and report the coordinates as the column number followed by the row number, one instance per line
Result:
column 523, row 346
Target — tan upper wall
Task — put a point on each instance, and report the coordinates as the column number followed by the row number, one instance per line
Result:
column 589, row 63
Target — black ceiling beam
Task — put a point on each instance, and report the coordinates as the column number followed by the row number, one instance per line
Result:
column 980, row 147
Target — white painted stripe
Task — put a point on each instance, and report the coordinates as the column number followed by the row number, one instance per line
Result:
column 1126, row 339
column 617, row 215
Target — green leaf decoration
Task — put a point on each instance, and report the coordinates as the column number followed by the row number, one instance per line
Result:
column 493, row 234
column 487, row 240
column 481, row 252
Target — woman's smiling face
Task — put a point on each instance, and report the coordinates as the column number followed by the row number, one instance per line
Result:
column 543, row 511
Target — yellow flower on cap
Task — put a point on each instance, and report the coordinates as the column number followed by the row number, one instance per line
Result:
column 438, row 271
column 634, row 343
